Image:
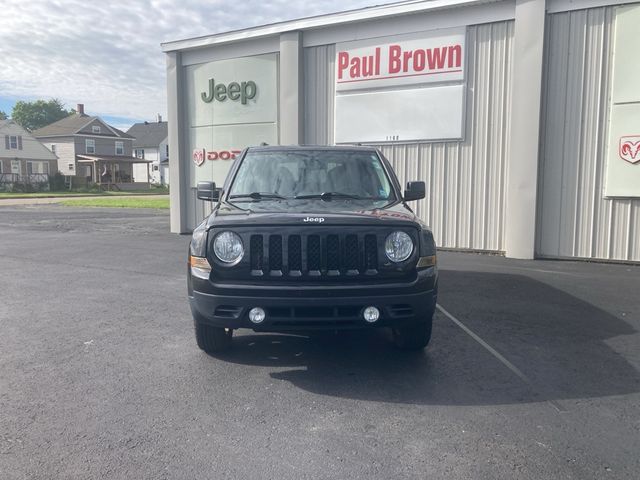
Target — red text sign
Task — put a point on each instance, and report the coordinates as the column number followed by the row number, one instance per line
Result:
column 405, row 60
column 200, row 155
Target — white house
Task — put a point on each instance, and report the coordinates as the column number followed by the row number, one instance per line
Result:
column 151, row 144
column 22, row 157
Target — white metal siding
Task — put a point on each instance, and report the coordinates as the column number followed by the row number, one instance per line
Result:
column 466, row 181
column 574, row 218
column 319, row 94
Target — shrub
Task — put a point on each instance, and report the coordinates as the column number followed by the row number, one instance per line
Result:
column 56, row 182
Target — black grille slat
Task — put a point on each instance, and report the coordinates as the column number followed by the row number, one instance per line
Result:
column 275, row 254
column 294, row 254
column 314, row 253
column 332, row 254
column 257, row 254
column 351, row 254
column 370, row 253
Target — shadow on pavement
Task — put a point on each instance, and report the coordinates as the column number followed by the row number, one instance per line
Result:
column 557, row 340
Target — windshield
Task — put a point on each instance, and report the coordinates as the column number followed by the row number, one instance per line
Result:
column 322, row 174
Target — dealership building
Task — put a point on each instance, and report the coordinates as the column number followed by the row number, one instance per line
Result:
column 522, row 116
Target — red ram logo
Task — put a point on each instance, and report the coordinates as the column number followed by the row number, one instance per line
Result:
column 199, row 156
column 630, row 149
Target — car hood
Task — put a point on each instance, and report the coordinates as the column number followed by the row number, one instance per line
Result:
column 315, row 212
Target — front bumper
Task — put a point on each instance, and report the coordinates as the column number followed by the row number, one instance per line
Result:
column 290, row 308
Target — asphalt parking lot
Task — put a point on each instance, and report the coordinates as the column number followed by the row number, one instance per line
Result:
column 533, row 371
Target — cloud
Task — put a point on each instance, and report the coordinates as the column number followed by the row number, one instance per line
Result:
column 107, row 54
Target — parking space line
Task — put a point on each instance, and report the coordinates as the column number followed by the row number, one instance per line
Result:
column 515, row 370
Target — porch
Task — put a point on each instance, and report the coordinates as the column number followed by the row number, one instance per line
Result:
column 112, row 172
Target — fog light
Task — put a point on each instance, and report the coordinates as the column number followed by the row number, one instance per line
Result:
column 371, row 314
column 257, row 315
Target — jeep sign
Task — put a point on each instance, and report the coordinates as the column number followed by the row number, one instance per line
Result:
column 242, row 91
column 231, row 104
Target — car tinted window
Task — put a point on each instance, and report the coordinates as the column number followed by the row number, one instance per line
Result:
column 299, row 173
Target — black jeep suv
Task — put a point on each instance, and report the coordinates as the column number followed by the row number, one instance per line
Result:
column 312, row 238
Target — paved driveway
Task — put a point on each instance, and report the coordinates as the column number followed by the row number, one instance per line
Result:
column 533, row 370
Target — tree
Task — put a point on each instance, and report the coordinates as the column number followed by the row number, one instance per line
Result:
column 3, row 116
column 37, row 114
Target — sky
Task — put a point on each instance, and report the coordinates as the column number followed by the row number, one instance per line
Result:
column 107, row 54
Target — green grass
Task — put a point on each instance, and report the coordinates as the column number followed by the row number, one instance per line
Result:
column 90, row 193
column 41, row 194
column 118, row 202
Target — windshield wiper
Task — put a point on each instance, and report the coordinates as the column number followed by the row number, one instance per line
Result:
column 257, row 196
column 330, row 195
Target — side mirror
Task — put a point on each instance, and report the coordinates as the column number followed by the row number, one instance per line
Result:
column 207, row 191
column 414, row 191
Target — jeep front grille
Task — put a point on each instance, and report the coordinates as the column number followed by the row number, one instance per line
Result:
column 313, row 255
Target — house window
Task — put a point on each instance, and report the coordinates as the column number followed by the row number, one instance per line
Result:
column 167, row 150
column 95, row 128
column 37, row 167
column 71, row 166
column 119, row 148
column 0, row 166
column 53, row 148
column 140, row 153
column 13, row 142
column 90, row 145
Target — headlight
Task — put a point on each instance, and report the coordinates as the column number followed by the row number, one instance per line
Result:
column 398, row 246
column 228, row 247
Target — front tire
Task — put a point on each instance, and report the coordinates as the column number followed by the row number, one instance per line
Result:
column 213, row 339
column 415, row 337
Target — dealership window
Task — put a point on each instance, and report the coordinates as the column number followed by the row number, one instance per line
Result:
column 37, row 167
column 119, row 148
column 90, row 145
column 96, row 129
column 139, row 152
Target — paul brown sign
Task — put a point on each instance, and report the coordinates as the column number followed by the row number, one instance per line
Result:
column 399, row 62
column 418, row 58
column 401, row 88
